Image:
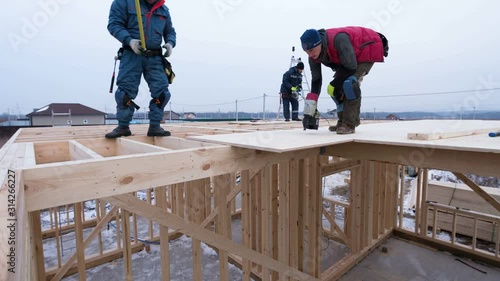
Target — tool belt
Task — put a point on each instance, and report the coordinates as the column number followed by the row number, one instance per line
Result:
column 147, row 53
column 151, row 53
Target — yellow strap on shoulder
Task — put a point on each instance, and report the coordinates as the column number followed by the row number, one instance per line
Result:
column 139, row 21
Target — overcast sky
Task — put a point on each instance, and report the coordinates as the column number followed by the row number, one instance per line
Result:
column 56, row 51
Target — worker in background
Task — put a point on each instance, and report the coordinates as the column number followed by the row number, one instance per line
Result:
column 135, row 61
column 350, row 52
column 290, row 87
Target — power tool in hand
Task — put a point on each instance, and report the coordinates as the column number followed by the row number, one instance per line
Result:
column 311, row 114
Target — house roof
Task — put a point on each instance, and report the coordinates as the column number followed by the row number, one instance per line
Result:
column 168, row 111
column 76, row 109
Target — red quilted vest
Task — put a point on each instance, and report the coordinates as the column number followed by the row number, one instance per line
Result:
column 367, row 44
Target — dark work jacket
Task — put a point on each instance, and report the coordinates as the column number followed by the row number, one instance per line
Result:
column 291, row 78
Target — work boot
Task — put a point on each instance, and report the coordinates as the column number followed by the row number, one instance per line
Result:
column 120, row 131
column 345, row 129
column 296, row 119
column 340, row 115
column 157, row 131
column 287, row 120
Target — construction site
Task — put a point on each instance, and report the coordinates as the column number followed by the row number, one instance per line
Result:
column 251, row 194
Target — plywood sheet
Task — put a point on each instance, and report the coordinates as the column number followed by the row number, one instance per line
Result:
column 453, row 128
column 278, row 141
column 392, row 133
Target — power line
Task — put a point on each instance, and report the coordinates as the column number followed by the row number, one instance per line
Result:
column 214, row 104
column 432, row 94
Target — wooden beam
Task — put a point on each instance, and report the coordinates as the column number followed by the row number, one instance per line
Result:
column 161, row 202
column 492, row 201
column 125, row 146
column 451, row 134
column 47, row 185
column 481, row 163
column 245, row 221
column 127, row 249
column 14, row 260
column 164, row 218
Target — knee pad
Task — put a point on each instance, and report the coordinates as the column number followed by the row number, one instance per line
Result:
column 351, row 88
column 124, row 101
column 161, row 101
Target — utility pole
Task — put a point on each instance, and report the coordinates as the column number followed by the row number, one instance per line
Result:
column 236, row 110
column 264, row 108
column 374, row 109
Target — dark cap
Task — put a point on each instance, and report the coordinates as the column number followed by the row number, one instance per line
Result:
column 310, row 39
column 300, row 65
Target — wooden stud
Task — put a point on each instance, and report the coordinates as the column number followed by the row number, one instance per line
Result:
column 149, row 199
column 221, row 185
column 283, row 215
column 198, row 198
column 274, row 217
column 37, row 262
column 246, row 220
column 423, row 208
column 418, row 204
column 161, row 202
column 265, row 200
column 127, row 250
column 402, row 172
column 293, row 209
column 80, row 250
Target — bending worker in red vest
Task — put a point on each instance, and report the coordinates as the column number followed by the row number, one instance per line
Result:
column 350, row 52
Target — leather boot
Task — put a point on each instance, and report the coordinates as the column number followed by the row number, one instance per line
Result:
column 345, row 129
column 340, row 115
column 157, row 131
column 120, row 131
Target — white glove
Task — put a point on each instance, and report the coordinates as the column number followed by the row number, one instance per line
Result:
column 168, row 48
column 136, row 46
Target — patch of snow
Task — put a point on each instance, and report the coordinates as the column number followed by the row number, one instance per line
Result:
column 42, row 109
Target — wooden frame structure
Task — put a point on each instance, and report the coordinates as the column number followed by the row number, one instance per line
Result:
column 191, row 181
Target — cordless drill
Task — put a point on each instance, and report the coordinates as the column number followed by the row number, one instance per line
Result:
column 311, row 114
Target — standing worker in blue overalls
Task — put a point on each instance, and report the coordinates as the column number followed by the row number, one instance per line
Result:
column 290, row 86
column 136, row 61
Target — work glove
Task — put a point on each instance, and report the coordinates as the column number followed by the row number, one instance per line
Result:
column 330, row 89
column 294, row 89
column 136, row 46
column 168, row 49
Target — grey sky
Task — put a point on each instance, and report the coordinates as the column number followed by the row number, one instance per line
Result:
column 228, row 50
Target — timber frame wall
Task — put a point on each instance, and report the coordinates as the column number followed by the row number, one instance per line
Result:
column 190, row 189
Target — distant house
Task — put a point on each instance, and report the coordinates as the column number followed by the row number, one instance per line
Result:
column 392, row 117
column 66, row 114
column 170, row 115
column 189, row 115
